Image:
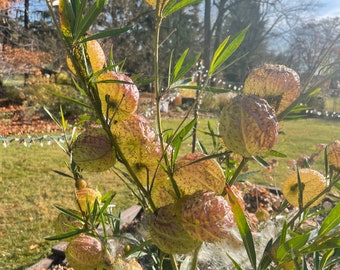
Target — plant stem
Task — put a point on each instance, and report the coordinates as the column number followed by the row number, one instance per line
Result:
column 173, row 262
column 238, row 171
column 157, row 87
column 195, row 259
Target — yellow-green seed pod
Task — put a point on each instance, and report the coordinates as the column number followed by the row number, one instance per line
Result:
column 313, row 183
column 168, row 234
column 118, row 95
column 248, row 126
column 277, row 84
column 120, row 264
column 333, row 155
column 87, row 196
column 191, row 174
column 92, row 151
column 65, row 224
column 86, row 253
column 206, row 216
column 96, row 57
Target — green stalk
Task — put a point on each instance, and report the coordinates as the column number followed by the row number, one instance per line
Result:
column 157, row 88
column 238, row 171
column 195, row 259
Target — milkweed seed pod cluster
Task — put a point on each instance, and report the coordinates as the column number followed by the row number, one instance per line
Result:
column 312, row 184
column 199, row 214
column 248, row 123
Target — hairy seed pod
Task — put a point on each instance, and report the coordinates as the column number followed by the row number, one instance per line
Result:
column 312, row 182
column 120, row 264
column 206, row 216
column 65, row 224
column 118, row 95
column 95, row 54
column 278, row 84
column 138, row 142
column 87, row 196
column 191, row 174
column 168, row 234
column 85, row 252
column 333, row 155
column 248, row 126
column 92, row 151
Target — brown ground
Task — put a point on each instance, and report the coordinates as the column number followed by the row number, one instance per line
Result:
column 15, row 120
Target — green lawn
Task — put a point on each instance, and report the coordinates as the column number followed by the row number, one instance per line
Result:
column 29, row 187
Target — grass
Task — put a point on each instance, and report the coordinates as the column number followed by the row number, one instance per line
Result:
column 29, row 187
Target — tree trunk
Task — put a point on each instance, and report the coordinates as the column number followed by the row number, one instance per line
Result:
column 26, row 17
column 207, row 33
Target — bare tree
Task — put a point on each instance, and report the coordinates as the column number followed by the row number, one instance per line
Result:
column 309, row 41
column 268, row 19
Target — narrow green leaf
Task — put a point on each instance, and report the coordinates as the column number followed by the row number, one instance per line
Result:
column 202, row 147
column 78, row 87
column 66, row 235
column 55, row 120
column 216, row 90
column 266, row 259
column 63, row 120
column 179, row 65
column 67, row 18
column 292, row 246
column 219, row 51
column 107, row 33
column 237, row 266
column 172, row 6
column 107, row 201
column 89, row 18
column 315, row 91
column 275, row 153
column 242, row 226
column 186, row 68
column 79, row 9
column 76, row 101
column 223, row 52
column 331, row 221
column 178, row 138
column 70, row 213
column 333, row 242
column 261, row 161
column 62, row 174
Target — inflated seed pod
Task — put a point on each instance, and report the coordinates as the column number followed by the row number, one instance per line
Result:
column 87, row 196
column 85, row 253
column 248, row 126
column 191, row 174
column 92, row 151
column 120, row 264
column 333, row 155
column 168, row 234
column 312, row 183
column 278, row 84
column 96, row 56
column 118, row 95
column 65, row 224
column 206, row 216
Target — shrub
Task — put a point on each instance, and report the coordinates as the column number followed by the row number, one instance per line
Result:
column 187, row 200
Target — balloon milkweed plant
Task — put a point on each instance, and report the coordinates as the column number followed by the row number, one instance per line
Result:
column 190, row 201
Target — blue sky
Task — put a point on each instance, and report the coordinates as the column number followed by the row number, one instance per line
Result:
column 331, row 8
